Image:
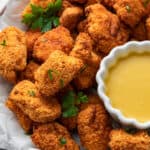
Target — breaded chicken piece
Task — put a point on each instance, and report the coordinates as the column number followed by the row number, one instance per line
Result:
column 56, row 73
column 25, row 122
column 13, row 53
column 29, row 71
column 41, row 3
column 86, row 78
column 83, row 47
column 70, row 17
column 130, row 11
column 32, row 36
column 56, row 39
column 94, row 127
column 139, row 32
column 53, row 136
column 104, row 28
column 148, row 28
column 70, row 123
column 120, row 140
column 39, row 109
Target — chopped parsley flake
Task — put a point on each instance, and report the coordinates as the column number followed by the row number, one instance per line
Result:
column 63, row 141
column 50, row 75
column 128, row 8
column 3, row 43
column 31, row 93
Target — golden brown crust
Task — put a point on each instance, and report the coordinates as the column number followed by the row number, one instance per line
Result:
column 70, row 17
column 39, row 109
column 94, row 127
column 48, row 136
column 120, row 140
column 56, row 39
column 32, row 36
column 25, row 122
column 130, row 11
column 13, row 54
column 62, row 67
column 104, row 28
column 29, row 71
column 148, row 28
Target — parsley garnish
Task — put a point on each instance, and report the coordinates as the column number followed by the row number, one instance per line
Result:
column 43, row 19
column 61, row 83
column 63, row 141
column 146, row 2
column 128, row 8
column 50, row 75
column 3, row 43
column 83, row 68
column 31, row 93
column 70, row 100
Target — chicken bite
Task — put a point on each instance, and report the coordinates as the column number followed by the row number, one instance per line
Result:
column 70, row 17
column 56, row 39
column 139, row 32
column 105, row 28
column 53, row 136
column 13, row 53
column 25, row 122
column 32, row 36
column 148, row 28
column 120, row 140
column 29, row 71
column 129, row 11
column 56, row 73
column 39, row 109
column 94, row 127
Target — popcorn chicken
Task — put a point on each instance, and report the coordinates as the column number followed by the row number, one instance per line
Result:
column 58, row 70
column 25, row 122
column 53, row 136
column 70, row 17
column 13, row 53
column 56, row 39
column 120, row 140
column 94, row 127
column 29, row 71
column 130, row 11
column 39, row 109
column 104, row 28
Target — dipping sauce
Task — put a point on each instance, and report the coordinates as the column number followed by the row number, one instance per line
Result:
column 128, row 86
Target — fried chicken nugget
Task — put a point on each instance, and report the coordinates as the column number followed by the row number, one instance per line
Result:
column 120, row 140
column 32, row 36
column 13, row 53
column 29, row 71
column 53, row 136
column 148, row 27
column 57, row 71
column 56, row 39
column 70, row 17
column 25, row 122
column 139, row 32
column 94, row 127
column 129, row 11
column 39, row 109
column 105, row 28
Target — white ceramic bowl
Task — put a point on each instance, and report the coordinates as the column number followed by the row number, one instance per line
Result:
column 107, row 62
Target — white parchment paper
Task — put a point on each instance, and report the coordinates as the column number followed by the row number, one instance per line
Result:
column 12, row 136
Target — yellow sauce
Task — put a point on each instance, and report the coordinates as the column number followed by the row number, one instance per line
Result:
column 128, row 86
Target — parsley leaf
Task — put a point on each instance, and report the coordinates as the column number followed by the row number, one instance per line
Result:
column 3, row 43
column 31, row 93
column 146, row 2
column 43, row 19
column 63, row 141
column 50, row 75
column 70, row 102
column 128, row 8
